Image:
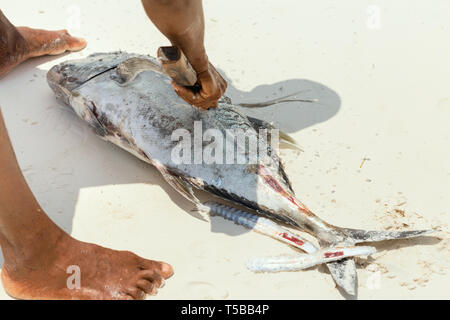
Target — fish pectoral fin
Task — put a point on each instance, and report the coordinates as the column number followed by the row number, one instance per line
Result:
column 183, row 188
column 288, row 142
column 179, row 184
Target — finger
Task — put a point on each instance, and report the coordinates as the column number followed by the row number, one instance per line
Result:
column 196, row 99
column 185, row 93
column 224, row 85
column 223, row 88
column 208, row 105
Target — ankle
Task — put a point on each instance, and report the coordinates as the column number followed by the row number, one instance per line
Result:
column 13, row 46
column 34, row 250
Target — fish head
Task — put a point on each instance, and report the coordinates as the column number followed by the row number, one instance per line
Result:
column 66, row 78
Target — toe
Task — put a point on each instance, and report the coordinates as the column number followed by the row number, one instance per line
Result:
column 146, row 286
column 164, row 269
column 74, row 43
column 136, row 293
column 154, row 277
column 126, row 296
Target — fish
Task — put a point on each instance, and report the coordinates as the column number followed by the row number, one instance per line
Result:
column 142, row 115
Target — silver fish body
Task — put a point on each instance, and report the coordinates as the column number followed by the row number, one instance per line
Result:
column 141, row 118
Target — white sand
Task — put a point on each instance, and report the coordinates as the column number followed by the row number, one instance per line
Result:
column 383, row 96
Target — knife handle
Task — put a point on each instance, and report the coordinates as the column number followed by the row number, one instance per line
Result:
column 177, row 66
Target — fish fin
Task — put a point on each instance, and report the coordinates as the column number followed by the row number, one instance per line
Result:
column 358, row 236
column 202, row 211
column 178, row 183
column 289, row 145
column 344, row 274
column 183, row 188
column 344, row 271
column 286, row 140
column 276, row 101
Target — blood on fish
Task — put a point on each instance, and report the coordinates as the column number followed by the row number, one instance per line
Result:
column 273, row 183
column 333, row 254
column 292, row 238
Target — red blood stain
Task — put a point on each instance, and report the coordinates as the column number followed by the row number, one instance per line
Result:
column 293, row 239
column 273, row 183
column 278, row 188
column 334, row 254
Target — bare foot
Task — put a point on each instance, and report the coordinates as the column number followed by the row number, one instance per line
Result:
column 21, row 43
column 103, row 273
column 42, row 42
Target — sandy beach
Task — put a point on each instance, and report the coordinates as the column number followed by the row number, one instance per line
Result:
column 376, row 144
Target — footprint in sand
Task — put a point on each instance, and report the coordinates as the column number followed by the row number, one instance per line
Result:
column 204, row 290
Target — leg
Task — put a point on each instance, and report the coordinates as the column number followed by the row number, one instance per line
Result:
column 37, row 252
column 21, row 43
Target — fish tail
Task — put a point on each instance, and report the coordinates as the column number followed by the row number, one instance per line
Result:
column 358, row 236
column 344, row 271
column 337, row 243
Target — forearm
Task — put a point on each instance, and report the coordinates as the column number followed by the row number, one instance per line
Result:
column 182, row 22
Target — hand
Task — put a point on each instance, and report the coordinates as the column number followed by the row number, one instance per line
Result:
column 211, row 86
